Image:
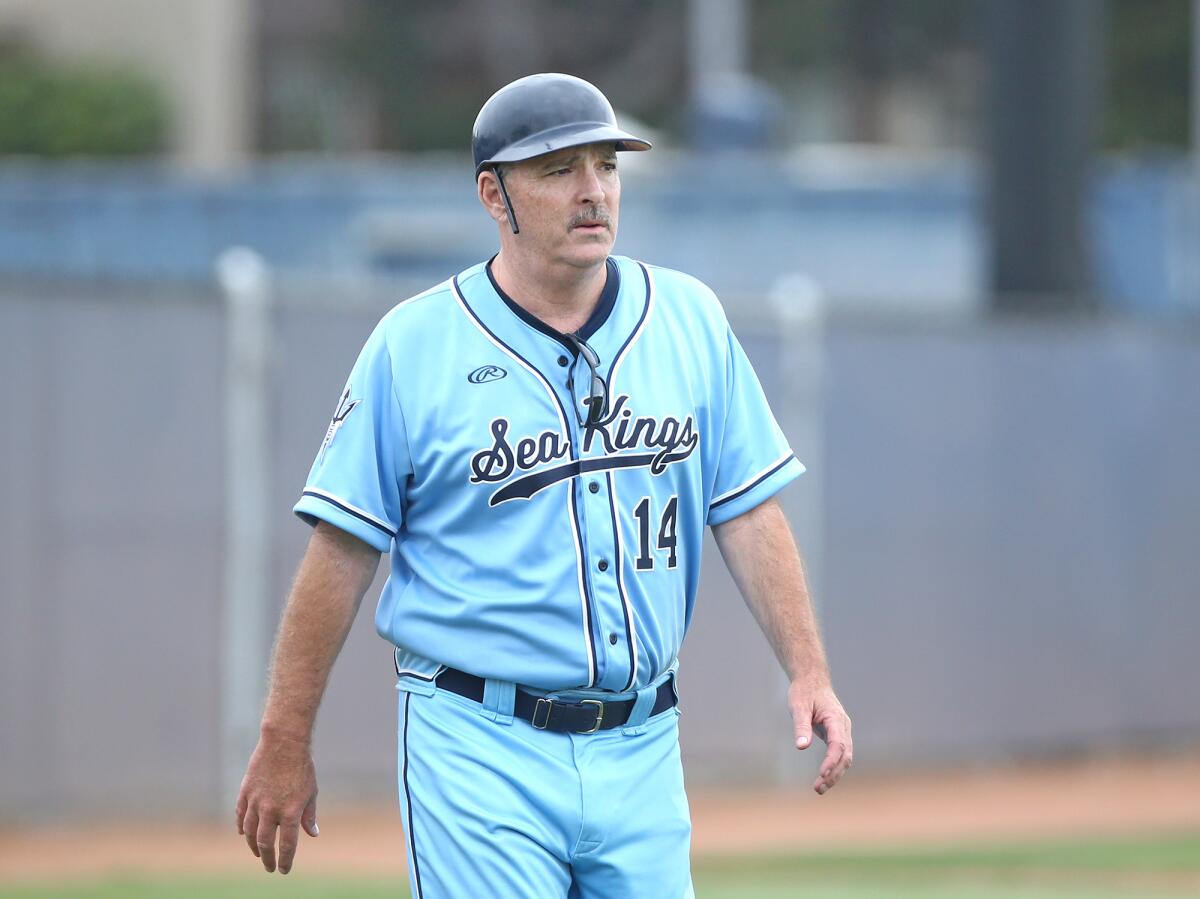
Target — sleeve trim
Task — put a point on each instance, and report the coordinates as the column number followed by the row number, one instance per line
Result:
column 351, row 510
column 753, row 482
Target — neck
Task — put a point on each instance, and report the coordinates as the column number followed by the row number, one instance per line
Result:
column 562, row 296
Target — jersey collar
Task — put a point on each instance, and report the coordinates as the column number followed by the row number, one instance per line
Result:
column 608, row 298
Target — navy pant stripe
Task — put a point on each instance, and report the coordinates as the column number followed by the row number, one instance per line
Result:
column 412, row 837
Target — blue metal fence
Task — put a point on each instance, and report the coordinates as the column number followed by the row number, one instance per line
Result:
column 913, row 235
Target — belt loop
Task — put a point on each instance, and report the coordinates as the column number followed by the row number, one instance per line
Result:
column 640, row 711
column 498, row 699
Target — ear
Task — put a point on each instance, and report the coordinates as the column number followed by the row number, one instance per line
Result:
column 488, row 190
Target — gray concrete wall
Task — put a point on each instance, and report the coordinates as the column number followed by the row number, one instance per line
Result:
column 1007, row 550
column 1011, row 537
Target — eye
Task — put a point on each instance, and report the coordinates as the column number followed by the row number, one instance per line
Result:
column 565, row 171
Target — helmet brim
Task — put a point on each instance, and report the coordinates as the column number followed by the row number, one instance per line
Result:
column 554, row 139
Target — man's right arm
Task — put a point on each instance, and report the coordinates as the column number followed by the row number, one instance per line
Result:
column 279, row 790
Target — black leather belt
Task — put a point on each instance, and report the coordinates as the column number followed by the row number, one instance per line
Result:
column 584, row 717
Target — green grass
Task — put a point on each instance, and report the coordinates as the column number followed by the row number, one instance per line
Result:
column 200, row 886
column 1165, row 866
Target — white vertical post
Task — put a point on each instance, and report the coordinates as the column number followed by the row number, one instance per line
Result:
column 717, row 30
column 798, row 305
column 214, row 130
column 245, row 283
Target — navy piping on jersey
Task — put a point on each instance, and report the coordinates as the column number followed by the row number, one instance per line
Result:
column 412, row 837
column 621, row 587
column 758, row 480
column 352, row 512
column 626, row 609
column 633, row 333
column 525, row 487
column 594, row 661
column 608, row 299
column 593, row 627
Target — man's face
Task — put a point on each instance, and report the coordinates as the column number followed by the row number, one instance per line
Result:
column 567, row 204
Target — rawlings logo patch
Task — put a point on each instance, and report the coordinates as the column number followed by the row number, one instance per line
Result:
column 486, row 373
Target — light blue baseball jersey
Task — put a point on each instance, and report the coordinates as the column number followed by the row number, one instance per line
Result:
column 527, row 545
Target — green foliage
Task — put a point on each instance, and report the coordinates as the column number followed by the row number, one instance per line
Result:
column 1148, row 74
column 792, row 36
column 78, row 111
column 426, row 72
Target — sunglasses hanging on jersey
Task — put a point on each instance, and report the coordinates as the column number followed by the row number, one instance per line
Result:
column 597, row 400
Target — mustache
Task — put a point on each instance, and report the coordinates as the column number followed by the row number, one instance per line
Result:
column 591, row 217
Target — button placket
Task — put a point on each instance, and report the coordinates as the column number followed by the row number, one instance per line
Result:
column 595, row 507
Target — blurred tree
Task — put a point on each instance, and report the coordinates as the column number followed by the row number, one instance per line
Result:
column 1148, row 74
column 52, row 110
column 789, row 36
column 427, row 68
column 406, row 75
column 861, row 54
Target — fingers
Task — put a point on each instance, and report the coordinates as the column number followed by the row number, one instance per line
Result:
column 261, row 831
column 802, row 714
column 817, row 712
column 270, row 808
column 803, row 736
column 308, row 820
column 838, row 757
column 250, row 831
column 833, row 766
column 265, row 842
column 289, row 837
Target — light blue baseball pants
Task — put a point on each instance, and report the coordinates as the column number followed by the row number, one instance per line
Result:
column 495, row 809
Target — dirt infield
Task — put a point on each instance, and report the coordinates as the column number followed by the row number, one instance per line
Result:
column 1081, row 799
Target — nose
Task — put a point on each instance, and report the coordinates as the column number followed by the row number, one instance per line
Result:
column 591, row 189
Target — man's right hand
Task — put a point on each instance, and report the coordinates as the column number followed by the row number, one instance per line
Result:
column 279, row 791
column 278, row 794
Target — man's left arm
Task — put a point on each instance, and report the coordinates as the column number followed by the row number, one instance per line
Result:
column 761, row 554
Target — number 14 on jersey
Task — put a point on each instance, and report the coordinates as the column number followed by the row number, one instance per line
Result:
column 666, row 533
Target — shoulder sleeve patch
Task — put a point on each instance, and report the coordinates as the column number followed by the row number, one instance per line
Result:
column 344, row 407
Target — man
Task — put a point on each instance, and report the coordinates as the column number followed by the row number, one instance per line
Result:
column 539, row 443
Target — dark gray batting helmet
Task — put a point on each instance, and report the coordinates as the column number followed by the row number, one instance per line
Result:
column 540, row 114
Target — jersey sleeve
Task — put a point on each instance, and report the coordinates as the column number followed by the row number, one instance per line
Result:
column 755, row 460
column 357, row 482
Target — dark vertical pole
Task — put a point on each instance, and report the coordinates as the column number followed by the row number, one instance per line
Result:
column 1045, row 87
column 868, row 26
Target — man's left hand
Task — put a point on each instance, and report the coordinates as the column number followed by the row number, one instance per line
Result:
column 815, row 709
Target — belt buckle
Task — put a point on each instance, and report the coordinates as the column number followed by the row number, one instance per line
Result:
column 599, row 714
